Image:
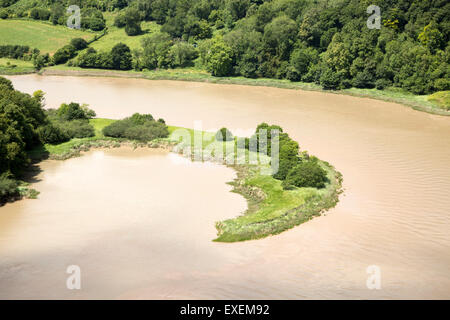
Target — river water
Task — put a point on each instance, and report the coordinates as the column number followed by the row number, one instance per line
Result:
column 139, row 222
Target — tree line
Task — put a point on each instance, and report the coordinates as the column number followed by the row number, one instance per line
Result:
column 322, row 41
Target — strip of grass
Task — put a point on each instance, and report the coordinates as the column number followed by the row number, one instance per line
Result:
column 14, row 66
column 442, row 99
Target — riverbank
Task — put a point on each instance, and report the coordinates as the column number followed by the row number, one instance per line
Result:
column 423, row 103
column 271, row 209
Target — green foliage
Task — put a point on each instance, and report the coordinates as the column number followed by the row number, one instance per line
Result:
column 224, row 135
column 20, row 117
column 8, row 188
column 219, row 58
column 141, row 127
column 156, row 51
column 40, row 14
column 74, row 111
column 132, row 22
column 13, row 51
column 288, row 156
column 52, row 134
column 306, row 174
column 121, row 57
column 79, row 43
column 182, row 54
column 63, row 54
column 442, row 99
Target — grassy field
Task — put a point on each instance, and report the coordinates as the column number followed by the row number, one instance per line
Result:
column 116, row 35
column 13, row 66
column 42, row 35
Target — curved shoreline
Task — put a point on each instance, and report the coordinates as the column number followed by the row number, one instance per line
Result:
column 405, row 100
column 238, row 228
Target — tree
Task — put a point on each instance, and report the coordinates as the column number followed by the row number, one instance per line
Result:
column 218, row 58
column 431, row 37
column 224, row 135
column 121, row 57
column 79, row 43
column 279, row 36
column 330, row 79
column 73, row 111
column 132, row 19
column 63, row 54
column 182, row 54
column 288, row 155
column 306, row 174
column 156, row 49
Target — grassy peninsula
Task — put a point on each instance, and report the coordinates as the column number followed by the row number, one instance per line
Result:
column 271, row 208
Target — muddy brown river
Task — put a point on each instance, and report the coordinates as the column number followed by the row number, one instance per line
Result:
column 139, row 223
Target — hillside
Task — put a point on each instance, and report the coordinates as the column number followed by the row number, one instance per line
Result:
column 327, row 43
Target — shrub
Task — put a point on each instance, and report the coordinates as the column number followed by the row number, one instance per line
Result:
column 330, row 80
column 77, row 129
column 40, row 14
column 381, row 84
column 73, row 111
column 4, row 14
column 52, row 134
column 224, row 135
column 287, row 156
column 140, row 127
column 8, row 188
column 306, row 174
column 63, row 54
column 147, row 132
column 79, row 43
column 121, row 57
column 13, row 51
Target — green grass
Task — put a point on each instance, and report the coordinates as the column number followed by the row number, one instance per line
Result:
column 441, row 99
column 36, row 34
column 116, row 35
column 13, row 66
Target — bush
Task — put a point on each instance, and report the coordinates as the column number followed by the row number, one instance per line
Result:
column 147, row 132
column 63, row 54
column 77, row 129
column 142, row 127
column 73, row 111
column 8, row 188
column 79, row 43
column 224, row 135
column 330, row 80
column 4, row 14
column 52, row 134
column 306, row 174
column 121, row 57
column 40, row 14
column 13, row 51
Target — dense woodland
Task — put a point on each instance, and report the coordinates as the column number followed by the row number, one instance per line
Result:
column 326, row 42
